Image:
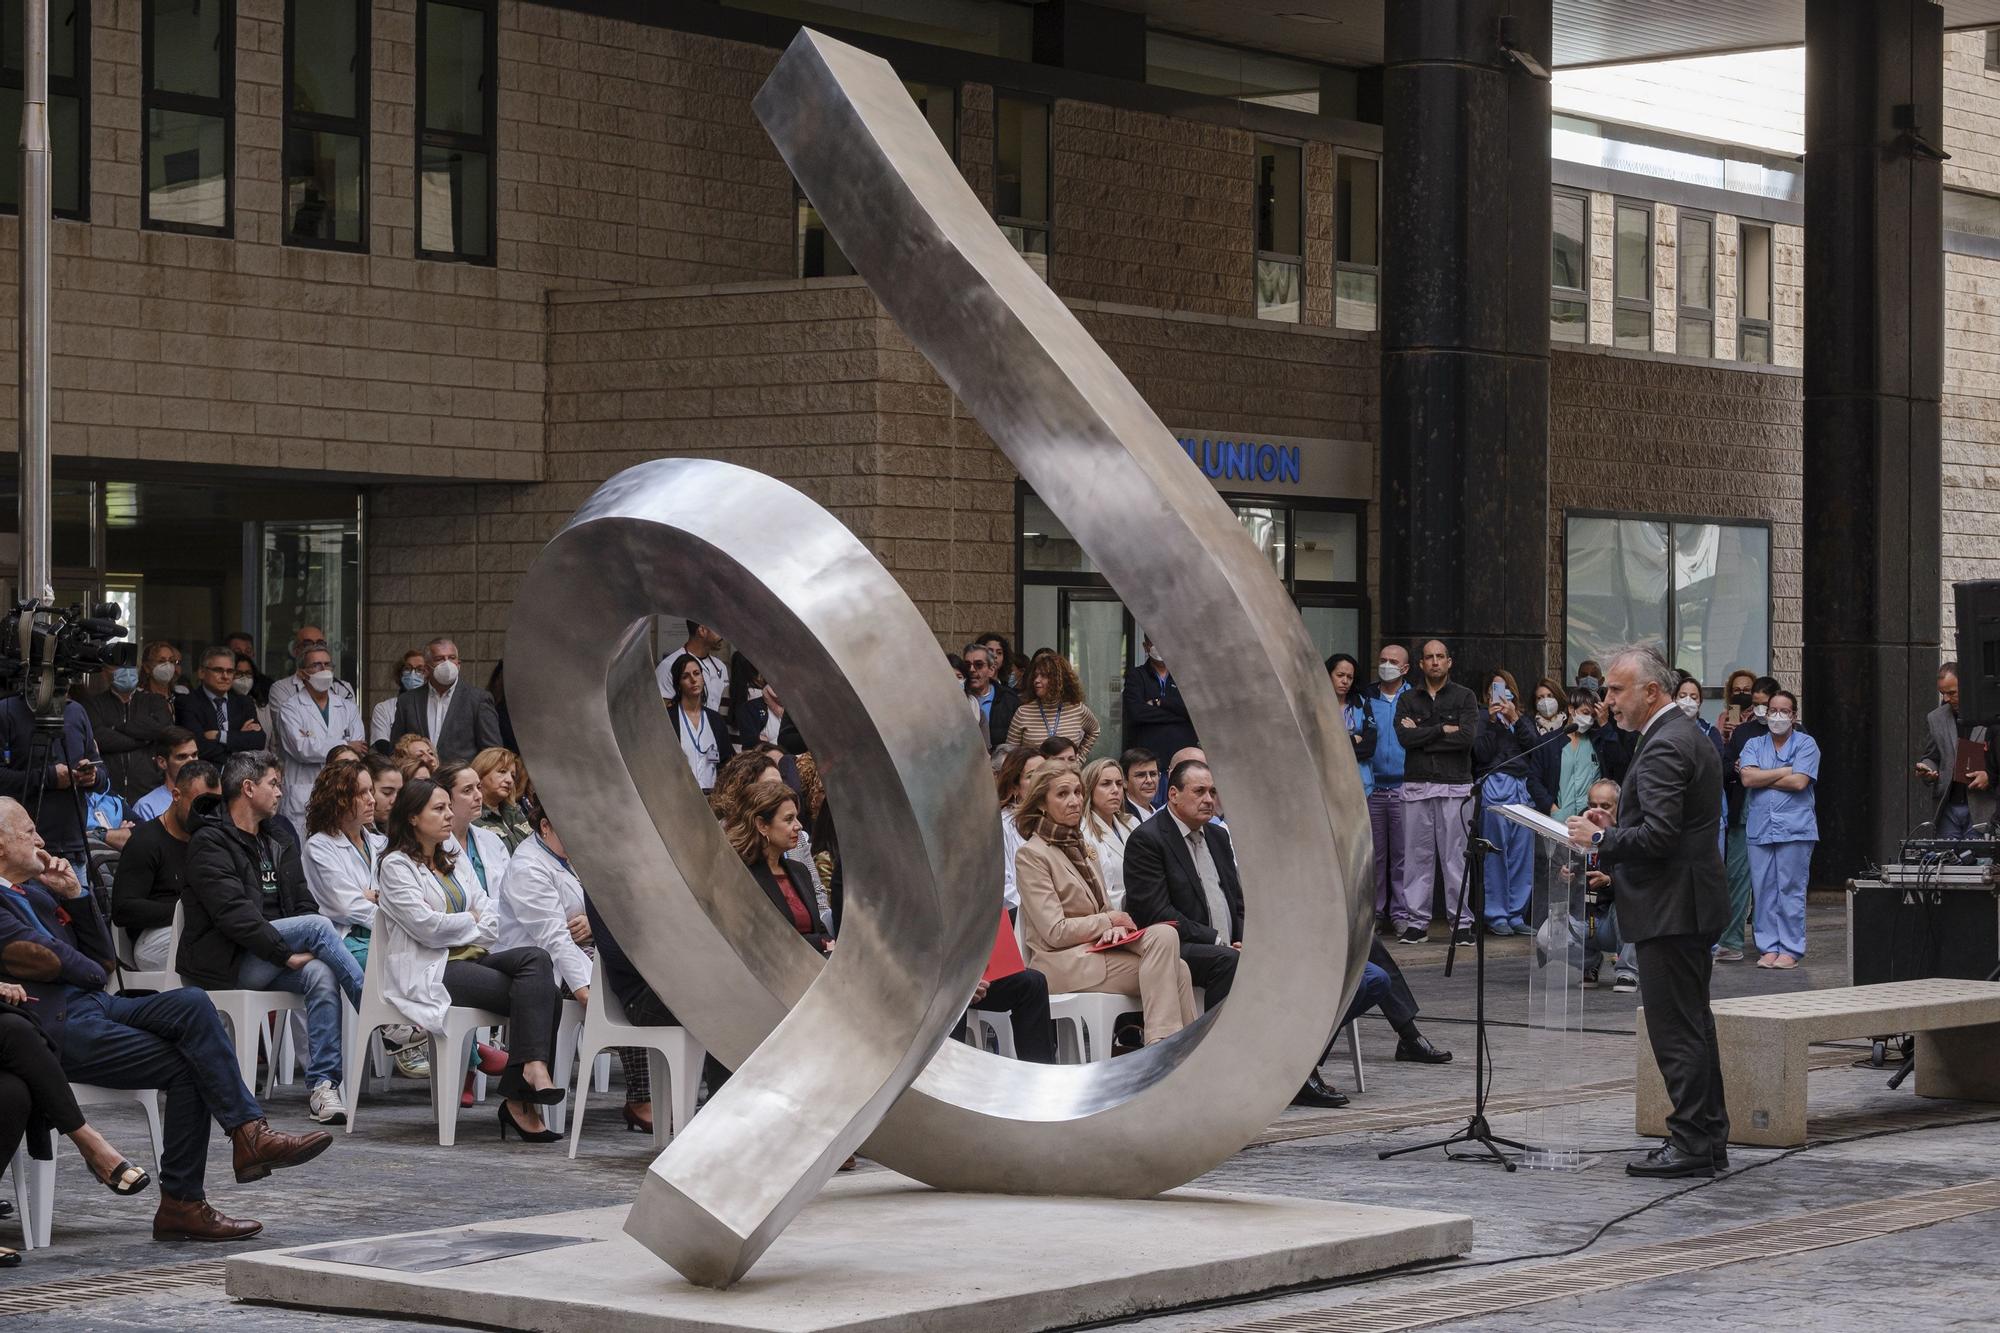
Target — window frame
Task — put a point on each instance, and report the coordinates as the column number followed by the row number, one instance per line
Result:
column 1768, row 324
column 1263, row 256
column 1048, row 228
column 223, row 106
column 1618, row 302
column 487, row 143
column 1685, row 313
column 1992, row 52
column 312, row 122
column 1340, row 265
column 1674, row 520
column 1570, row 295
column 77, row 86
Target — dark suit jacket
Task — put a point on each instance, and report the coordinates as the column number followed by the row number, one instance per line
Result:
column 802, row 886
column 1156, row 718
column 471, row 724
column 196, row 711
column 1662, row 852
column 74, row 932
column 1161, row 883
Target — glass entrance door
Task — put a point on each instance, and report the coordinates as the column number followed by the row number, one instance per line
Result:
column 1096, row 637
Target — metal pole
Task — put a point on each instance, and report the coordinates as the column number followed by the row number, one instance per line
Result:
column 34, row 578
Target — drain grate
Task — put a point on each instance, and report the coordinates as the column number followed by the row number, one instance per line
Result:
column 104, row 1286
column 1521, row 1287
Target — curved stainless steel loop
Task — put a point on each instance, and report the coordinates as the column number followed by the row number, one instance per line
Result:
column 695, row 538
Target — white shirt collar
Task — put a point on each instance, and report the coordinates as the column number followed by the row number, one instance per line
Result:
column 1187, row 831
column 1654, row 720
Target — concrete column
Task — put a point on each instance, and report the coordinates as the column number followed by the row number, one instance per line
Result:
column 1874, row 340
column 1465, row 331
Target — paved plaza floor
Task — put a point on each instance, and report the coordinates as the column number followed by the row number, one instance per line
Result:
column 1895, row 1230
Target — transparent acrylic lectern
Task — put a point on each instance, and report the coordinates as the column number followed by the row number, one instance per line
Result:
column 1552, row 1062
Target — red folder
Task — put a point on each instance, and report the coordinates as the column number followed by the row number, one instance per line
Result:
column 1006, row 959
column 1129, row 937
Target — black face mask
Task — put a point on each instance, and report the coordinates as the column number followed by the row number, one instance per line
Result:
column 1740, row 700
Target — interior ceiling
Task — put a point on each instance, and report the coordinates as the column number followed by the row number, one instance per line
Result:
column 1588, row 32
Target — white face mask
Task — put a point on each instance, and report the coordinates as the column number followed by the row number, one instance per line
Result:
column 242, row 685
column 1153, row 654
column 1780, row 723
column 1546, row 707
column 164, row 672
column 1692, row 707
column 1761, row 710
column 322, row 681
column 445, row 673
column 1389, row 672
column 1583, row 720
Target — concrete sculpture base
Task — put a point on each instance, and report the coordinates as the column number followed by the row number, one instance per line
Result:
column 877, row 1252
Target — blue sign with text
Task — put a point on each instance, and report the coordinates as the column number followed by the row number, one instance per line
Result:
column 1245, row 460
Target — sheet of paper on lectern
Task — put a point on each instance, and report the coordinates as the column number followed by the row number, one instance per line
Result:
column 1543, row 825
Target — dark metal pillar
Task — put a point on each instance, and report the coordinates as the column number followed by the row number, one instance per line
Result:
column 1465, row 330
column 1874, row 340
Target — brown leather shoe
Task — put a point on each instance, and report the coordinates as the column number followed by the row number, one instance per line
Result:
column 260, row 1150
column 194, row 1219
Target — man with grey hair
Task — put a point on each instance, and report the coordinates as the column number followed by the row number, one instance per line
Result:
column 457, row 717
column 222, row 718
column 1673, row 901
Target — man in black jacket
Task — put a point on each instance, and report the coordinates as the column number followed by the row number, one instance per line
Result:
column 1672, row 901
column 997, row 702
column 223, row 721
column 126, row 721
column 153, row 870
column 1437, row 722
column 1180, row 868
column 1156, row 718
column 251, row 923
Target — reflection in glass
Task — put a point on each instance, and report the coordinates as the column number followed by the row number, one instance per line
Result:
column 1722, row 575
column 1696, row 337
column 1754, row 345
column 453, row 210
column 1266, row 527
column 1279, row 216
column 1569, row 321
column 454, row 69
column 1357, row 183
column 1032, row 244
column 1021, row 163
column 1326, row 546
column 1334, row 629
column 1632, row 329
column 1354, row 303
column 186, row 169
column 1617, row 585
column 1278, row 290
column 323, row 186
column 1566, row 215
column 1631, row 258
column 187, row 47
column 326, row 58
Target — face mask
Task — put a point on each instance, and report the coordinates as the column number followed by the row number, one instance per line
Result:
column 1780, row 723
column 445, row 674
column 125, row 679
column 164, row 672
column 1389, row 672
column 1740, row 700
column 1761, row 710
column 321, row 681
column 1583, row 720
column 1546, row 707
column 1153, row 655
column 241, row 685
column 412, row 679
column 1692, row 707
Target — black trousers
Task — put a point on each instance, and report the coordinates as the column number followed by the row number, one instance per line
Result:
column 1674, row 974
column 651, row 1011
column 520, row 983
column 32, row 1084
column 1212, row 968
column 1024, row 998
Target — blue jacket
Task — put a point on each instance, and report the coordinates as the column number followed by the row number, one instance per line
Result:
column 1387, row 761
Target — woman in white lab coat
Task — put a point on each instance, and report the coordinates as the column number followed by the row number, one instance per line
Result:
column 541, row 905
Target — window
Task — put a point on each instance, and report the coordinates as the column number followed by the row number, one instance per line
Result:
column 1753, row 324
column 1216, row 70
column 1993, row 49
column 1022, row 177
column 189, row 52
column 1696, row 256
column 1569, row 267
column 1632, row 278
column 456, row 78
column 1698, row 590
column 69, row 128
column 326, row 123
column 1357, row 252
column 1280, row 230
column 818, row 256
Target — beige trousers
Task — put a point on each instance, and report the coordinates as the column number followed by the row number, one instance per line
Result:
column 1152, row 966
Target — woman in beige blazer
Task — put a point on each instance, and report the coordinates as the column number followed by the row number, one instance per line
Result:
column 1063, row 912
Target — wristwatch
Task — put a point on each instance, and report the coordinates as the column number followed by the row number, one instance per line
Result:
column 1597, row 837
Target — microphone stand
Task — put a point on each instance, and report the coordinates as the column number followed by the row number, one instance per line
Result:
column 1478, row 1129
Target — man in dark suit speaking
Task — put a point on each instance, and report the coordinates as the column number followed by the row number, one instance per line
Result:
column 1673, row 901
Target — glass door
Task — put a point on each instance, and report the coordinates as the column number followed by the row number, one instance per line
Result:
column 310, row 574
column 1096, row 638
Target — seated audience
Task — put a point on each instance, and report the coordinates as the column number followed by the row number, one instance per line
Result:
column 152, row 872
column 1180, row 869
column 1064, row 913
column 743, row 771
column 704, row 735
column 762, row 828
column 643, row 1008
column 1059, row 747
column 175, row 748
column 172, row 1041
column 388, row 785
column 1142, row 782
column 249, row 921
column 502, row 788
column 414, row 748
column 1015, row 770
column 435, row 923
column 1106, row 825
column 541, row 906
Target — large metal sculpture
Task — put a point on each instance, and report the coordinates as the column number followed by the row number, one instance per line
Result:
column 829, row 1058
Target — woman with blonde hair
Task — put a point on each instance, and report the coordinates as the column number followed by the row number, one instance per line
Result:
column 1064, row 913
column 1106, row 824
column 1053, row 706
column 763, row 828
column 503, row 786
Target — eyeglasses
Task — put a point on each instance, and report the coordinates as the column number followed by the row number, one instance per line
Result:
column 219, row 670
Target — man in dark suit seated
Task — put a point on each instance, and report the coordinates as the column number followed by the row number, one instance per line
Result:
column 1673, row 901
column 1181, row 869
column 223, row 721
column 457, row 717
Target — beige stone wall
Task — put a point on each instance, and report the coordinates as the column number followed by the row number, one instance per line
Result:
column 1603, row 236
column 1666, row 274
column 1970, row 425
column 1971, row 111
column 1728, row 247
column 1788, row 294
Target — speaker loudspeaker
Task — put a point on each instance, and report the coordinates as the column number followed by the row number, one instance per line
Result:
column 1978, row 651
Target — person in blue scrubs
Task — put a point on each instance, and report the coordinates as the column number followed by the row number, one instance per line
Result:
column 1780, row 771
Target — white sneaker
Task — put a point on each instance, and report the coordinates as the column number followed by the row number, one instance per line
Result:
column 413, row 1061
column 324, row 1104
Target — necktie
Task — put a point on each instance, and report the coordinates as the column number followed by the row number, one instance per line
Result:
column 221, row 718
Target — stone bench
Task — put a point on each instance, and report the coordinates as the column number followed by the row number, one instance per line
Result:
column 1764, row 1039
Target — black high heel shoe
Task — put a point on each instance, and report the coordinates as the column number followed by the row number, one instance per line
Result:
column 634, row 1124
column 549, row 1096
column 507, row 1122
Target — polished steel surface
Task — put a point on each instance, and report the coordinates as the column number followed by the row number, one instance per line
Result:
column 903, row 764
column 32, row 349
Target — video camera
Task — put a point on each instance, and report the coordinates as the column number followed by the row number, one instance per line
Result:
column 44, row 650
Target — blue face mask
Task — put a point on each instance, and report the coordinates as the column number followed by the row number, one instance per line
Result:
column 125, row 679
column 412, row 679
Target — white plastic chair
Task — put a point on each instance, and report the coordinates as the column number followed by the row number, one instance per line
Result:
column 1353, row 1034
column 449, row 1050
column 670, row 1051
column 978, row 1022
column 569, row 1026
column 245, row 1011
column 35, row 1181
column 1085, row 1022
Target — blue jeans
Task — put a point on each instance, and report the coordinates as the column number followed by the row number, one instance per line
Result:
column 1955, row 821
column 172, row 1041
column 320, row 981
